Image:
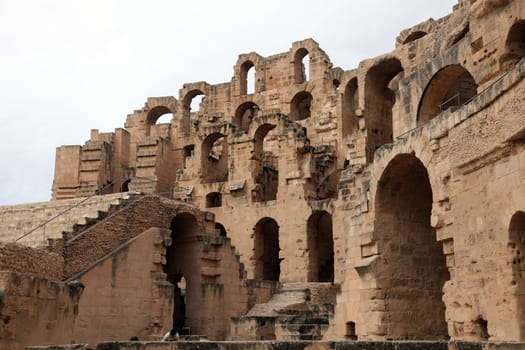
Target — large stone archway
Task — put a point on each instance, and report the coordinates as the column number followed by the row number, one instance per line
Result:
column 411, row 268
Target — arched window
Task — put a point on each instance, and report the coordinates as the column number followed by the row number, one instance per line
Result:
column 302, row 66
column 514, row 45
column 350, row 103
column 244, row 115
column 213, row 200
column 449, row 88
column 221, row 230
column 265, row 167
column 379, row 101
column 158, row 115
column 247, row 77
column 301, row 105
column 191, row 104
column 214, row 159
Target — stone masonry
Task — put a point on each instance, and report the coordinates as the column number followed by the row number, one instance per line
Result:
column 395, row 189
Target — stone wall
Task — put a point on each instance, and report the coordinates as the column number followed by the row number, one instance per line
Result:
column 35, row 262
column 47, row 220
column 401, row 179
column 36, row 310
column 133, row 274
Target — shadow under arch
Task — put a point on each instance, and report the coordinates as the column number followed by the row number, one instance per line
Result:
column 214, row 158
column 380, row 98
column 411, row 265
column 450, row 88
column 181, row 258
column 517, row 250
column 266, row 250
column 320, row 247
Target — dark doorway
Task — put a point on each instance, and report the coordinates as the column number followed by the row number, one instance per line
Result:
column 412, row 266
column 320, row 247
column 266, row 250
column 181, row 268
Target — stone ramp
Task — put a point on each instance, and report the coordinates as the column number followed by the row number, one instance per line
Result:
column 297, row 311
column 50, row 219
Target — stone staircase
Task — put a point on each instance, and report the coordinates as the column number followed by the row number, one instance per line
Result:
column 297, row 311
column 49, row 220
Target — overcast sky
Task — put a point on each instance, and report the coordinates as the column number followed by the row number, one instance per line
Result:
column 69, row 66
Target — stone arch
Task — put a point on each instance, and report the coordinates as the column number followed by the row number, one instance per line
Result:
column 248, row 74
column 180, row 264
column 514, row 45
column 450, row 87
column 300, row 68
column 221, row 230
column 214, row 158
column 350, row 104
column 156, row 113
column 320, row 243
column 265, row 167
column 247, row 69
column 301, row 106
column 414, row 36
column 266, row 250
column 517, row 251
column 244, row 115
column 379, row 101
column 188, row 93
column 411, row 264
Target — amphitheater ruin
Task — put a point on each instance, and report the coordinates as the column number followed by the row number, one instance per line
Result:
column 300, row 204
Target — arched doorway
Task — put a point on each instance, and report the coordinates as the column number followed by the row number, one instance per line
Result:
column 300, row 106
column 244, row 115
column 302, row 66
column 182, row 270
column 191, row 108
column 379, row 100
column 214, row 158
column 247, row 78
column 517, row 250
column 449, row 88
column 514, row 45
column 350, row 103
column 412, row 267
column 265, row 166
column 320, row 247
column 266, row 250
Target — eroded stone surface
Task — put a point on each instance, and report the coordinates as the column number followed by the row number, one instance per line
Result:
column 402, row 180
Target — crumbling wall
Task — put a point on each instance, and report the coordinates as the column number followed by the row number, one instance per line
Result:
column 35, row 262
column 446, row 103
column 36, row 310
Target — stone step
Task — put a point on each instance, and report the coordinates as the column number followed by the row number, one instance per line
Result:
column 296, row 311
column 55, row 217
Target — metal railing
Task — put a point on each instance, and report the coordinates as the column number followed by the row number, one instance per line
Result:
column 403, row 135
column 43, row 225
column 169, row 194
